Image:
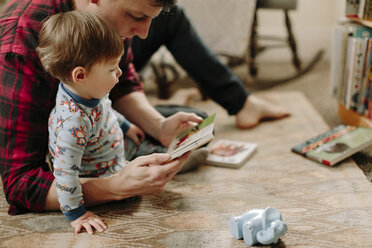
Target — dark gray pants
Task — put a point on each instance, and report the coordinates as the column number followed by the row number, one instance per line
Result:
column 175, row 31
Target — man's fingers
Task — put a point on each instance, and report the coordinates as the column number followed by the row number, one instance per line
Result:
column 173, row 166
column 189, row 117
column 155, row 159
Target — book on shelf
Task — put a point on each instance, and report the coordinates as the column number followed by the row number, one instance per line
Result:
column 362, row 102
column 230, row 153
column 335, row 145
column 361, row 9
column 365, row 10
column 355, row 70
column 342, row 51
column 352, row 8
column 338, row 55
column 350, row 66
column 192, row 138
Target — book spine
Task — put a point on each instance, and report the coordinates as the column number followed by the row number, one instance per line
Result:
column 323, row 138
column 348, row 71
column 338, row 58
column 314, row 158
column 369, row 78
column 354, row 81
column 368, row 11
column 342, row 55
column 364, row 89
column 361, row 9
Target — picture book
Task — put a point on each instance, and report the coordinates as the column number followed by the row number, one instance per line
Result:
column 336, row 144
column 192, row 138
column 230, row 153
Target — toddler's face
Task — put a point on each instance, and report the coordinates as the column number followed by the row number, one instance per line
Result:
column 102, row 77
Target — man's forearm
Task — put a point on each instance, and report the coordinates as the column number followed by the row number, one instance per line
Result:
column 95, row 190
column 138, row 110
column 101, row 190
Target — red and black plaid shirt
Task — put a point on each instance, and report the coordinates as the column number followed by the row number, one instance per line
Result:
column 27, row 95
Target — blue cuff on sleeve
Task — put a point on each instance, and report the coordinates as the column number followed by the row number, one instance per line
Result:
column 125, row 126
column 75, row 213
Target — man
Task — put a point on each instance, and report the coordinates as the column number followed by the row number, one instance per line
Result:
column 176, row 32
column 27, row 95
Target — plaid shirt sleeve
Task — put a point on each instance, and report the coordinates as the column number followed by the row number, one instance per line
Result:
column 27, row 95
column 24, row 109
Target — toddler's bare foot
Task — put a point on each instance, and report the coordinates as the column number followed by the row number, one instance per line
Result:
column 256, row 110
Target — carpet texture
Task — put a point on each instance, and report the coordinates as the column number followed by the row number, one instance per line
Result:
column 322, row 206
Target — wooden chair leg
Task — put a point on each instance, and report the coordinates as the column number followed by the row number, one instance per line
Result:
column 165, row 85
column 292, row 42
column 253, row 47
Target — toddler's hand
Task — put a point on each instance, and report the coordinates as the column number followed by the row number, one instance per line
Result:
column 135, row 133
column 88, row 220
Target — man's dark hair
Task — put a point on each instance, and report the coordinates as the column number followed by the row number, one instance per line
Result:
column 165, row 4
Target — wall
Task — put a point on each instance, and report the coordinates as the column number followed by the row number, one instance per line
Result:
column 312, row 23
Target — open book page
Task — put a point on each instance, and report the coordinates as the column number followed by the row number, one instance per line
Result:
column 192, row 138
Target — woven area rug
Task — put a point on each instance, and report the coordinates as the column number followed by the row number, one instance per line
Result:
column 322, row 206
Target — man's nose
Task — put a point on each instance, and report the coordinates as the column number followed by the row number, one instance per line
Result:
column 142, row 30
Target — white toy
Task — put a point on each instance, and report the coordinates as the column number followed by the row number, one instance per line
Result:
column 263, row 226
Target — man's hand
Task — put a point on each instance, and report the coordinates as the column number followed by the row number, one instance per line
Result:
column 87, row 221
column 147, row 174
column 175, row 124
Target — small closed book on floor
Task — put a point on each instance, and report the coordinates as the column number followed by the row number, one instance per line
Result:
column 230, row 153
column 335, row 145
column 192, row 138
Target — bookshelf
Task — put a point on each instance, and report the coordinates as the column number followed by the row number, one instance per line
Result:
column 348, row 116
column 363, row 22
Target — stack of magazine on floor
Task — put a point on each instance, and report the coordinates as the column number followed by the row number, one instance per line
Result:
column 335, row 145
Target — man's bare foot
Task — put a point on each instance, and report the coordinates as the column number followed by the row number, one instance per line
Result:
column 255, row 110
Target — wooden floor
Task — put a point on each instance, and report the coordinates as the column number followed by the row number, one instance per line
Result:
column 322, row 206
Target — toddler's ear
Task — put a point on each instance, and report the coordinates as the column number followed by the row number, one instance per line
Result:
column 78, row 74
